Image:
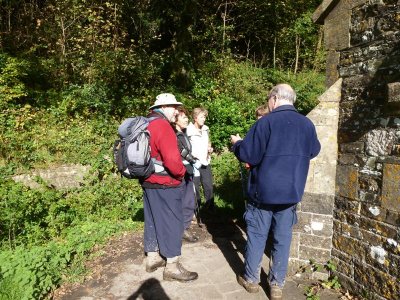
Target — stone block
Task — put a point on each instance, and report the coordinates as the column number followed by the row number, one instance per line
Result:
column 349, row 159
column 337, row 32
column 59, row 177
column 323, row 10
column 394, row 265
column 369, row 184
column 387, row 286
column 341, row 255
column 318, row 255
column 317, row 203
column 379, row 142
column 351, row 230
column 316, row 241
column 396, row 149
column 303, row 223
column 346, row 206
column 343, row 267
column 347, row 181
column 373, row 211
column 350, row 246
column 293, row 267
column 390, row 187
column 377, row 227
column 319, row 169
column 349, row 284
column 392, row 218
column 294, row 246
column 332, row 61
column 369, row 197
column 354, row 147
column 320, row 276
column 370, row 237
column 321, row 225
column 337, row 226
column 393, row 92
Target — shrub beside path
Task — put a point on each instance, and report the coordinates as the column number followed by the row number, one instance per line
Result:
column 218, row 256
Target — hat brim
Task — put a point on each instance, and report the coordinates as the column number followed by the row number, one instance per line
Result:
column 166, row 104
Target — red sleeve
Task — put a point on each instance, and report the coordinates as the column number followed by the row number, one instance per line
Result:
column 165, row 147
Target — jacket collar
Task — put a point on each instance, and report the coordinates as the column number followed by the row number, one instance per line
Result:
column 283, row 108
column 156, row 114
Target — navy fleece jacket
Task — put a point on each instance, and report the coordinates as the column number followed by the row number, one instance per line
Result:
column 279, row 147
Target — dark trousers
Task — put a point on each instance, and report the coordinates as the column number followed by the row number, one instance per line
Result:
column 163, row 220
column 188, row 203
column 206, row 180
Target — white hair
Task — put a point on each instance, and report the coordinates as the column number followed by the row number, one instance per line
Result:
column 284, row 92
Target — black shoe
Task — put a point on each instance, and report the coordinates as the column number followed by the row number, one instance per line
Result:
column 187, row 236
column 209, row 206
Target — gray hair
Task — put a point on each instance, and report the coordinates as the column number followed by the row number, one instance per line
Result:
column 283, row 91
column 199, row 110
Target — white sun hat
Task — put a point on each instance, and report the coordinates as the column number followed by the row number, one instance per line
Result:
column 165, row 99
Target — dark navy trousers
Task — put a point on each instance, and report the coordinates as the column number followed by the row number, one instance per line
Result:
column 163, row 220
column 206, row 180
column 188, row 203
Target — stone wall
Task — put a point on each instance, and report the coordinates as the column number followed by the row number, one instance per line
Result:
column 59, row 177
column 312, row 236
column 366, row 219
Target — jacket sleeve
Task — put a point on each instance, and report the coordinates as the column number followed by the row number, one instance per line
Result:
column 252, row 148
column 168, row 150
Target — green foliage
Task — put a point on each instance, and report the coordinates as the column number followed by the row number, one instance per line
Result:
column 308, row 86
column 86, row 99
column 228, row 186
column 235, row 90
column 31, row 273
column 13, row 73
column 312, row 292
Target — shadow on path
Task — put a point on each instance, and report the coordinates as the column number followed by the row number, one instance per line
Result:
column 229, row 236
column 151, row 289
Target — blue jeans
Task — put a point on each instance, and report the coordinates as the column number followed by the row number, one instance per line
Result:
column 280, row 220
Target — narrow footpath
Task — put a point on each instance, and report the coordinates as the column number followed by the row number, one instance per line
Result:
column 217, row 257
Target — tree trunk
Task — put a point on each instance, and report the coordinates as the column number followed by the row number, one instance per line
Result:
column 274, row 53
column 298, row 42
column 223, row 32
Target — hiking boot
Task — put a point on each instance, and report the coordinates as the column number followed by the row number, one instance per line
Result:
column 153, row 264
column 275, row 292
column 175, row 271
column 187, row 236
column 249, row 286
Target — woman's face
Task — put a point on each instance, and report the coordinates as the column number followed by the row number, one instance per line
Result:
column 182, row 121
column 200, row 119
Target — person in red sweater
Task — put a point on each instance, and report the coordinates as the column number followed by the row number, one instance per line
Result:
column 162, row 195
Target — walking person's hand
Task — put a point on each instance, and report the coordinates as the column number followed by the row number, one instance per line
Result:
column 235, row 138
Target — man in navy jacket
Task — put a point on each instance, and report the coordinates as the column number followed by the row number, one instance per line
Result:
column 279, row 147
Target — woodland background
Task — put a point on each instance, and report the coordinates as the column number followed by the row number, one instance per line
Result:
column 71, row 70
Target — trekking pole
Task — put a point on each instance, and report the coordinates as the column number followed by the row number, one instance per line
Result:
column 244, row 183
column 197, row 214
